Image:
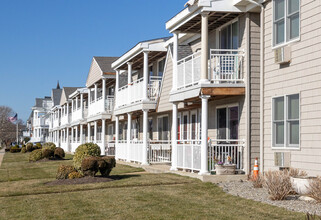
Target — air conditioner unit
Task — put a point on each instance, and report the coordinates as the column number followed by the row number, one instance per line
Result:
column 282, row 55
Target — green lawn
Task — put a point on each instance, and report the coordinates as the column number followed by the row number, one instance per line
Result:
column 137, row 195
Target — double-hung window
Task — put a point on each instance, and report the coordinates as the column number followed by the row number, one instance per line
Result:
column 286, row 21
column 286, row 121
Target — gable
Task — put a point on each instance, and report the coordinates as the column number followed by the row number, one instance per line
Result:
column 63, row 99
column 94, row 74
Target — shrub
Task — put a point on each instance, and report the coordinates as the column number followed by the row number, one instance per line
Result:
column 59, row 153
column 278, row 184
column 88, row 149
column 89, row 166
column 258, row 181
column 35, row 155
column 15, row 149
column 47, row 153
column 110, row 164
column 49, row 145
column 75, row 175
column 38, row 146
column 294, row 172
column 64, row 171
column 23, row 149
column 29, row 147
column 315, row 189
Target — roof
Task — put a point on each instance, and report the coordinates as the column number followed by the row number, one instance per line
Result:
column 56, row 95
column 66, row 91
column 39, row 101
column 183, row 51
column 104, row 63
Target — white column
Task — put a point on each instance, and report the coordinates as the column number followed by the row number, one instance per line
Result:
column 76, row 133
column 104, row 93
column 88, row 132
column 67, row 108
column 72, row 105
column 117, row 81
column 204, row 147
column 204, row 50
column 103, row 141
column 174, row 137
column 116, row 135
column 89, row 96
column 72, row 135
column 76, row 102
column 145, row 89
column 68, row 140
column 82, row 105
column 81, row 134
column 145, row 141
column 175, row 59
column 95, row 132
column 129, row 81
column 96, row 91
column 129, row 128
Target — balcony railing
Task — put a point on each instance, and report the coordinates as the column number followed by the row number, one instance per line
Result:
column 159, row 152
column 134, row 92
column 224, row 66
column 65, row 119
column 99, row 107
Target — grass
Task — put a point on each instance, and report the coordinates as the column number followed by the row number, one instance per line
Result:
column 137, row 195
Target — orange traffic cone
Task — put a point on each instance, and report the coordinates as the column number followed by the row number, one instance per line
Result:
column 256, row 169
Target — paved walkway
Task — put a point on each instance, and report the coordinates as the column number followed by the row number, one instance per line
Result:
column 205, row 178
column 1, row 155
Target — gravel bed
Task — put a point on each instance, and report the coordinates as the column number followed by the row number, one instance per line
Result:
column 245, row 189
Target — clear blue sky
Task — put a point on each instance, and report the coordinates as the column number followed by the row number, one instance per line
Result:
column 42, row 41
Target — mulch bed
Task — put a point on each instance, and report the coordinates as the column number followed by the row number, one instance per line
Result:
column 84, row 180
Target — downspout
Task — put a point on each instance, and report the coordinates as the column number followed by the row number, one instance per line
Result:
column 261, row 83
column 248, row 94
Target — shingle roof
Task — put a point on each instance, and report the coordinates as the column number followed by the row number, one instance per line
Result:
column 183, row 51
column 105, row 63
column 69, row 90
column 39, row 101
column 56, row 95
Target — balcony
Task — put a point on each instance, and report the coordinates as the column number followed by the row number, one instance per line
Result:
column 225, row 68
column 65, row 119
column 39, row 122
column 134, row 93
column 99, row 106
column 77, row 115
column 56, row 123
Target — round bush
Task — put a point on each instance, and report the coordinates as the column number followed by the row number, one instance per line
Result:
column 89, row 166
column 64, row 171
column 75, row 175
column 38, row 146
column 88, row 149
column 110, row 164
column 47, row 153
column 49, row 145
column 59, row 153
column 23, row 150
column 29, row 147
column 35, row 155
column 15, row 149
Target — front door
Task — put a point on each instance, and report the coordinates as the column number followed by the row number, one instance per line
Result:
column 227, row 123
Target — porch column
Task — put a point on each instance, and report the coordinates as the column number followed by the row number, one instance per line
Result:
column 174, row 137
column 67, row 145
column 96, row 92
column 116, row 135
column 76, row 102
column 129, row 81
column 88, row 132
column 76, row 132
column 89, row 96
column 81, row 133
column 67, row 110
column 145, row 88
column 82, row 105
column 95, row 132
column 204, row 50
column 145, row 141
column 104, row 93
column 72, row 135
column 204, row 150
column 129, row 128
column 72, row 105
column 175, row 57
column 103, row 141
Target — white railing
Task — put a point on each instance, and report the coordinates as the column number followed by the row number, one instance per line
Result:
column 99, row 107
column 134, row 92
column 65, row 119
column 56, row 123
column 159, row 152
column 110, row 148
column 109, row 104
column 98, row 137
column 121, row 150
column 76, row 115
column 136, row 151
column 220, row 150
column 226, row 66
column 189, row 70
column 189, row 154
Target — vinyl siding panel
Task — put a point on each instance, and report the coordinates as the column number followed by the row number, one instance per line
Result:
column 94, row 73
column 303, row 76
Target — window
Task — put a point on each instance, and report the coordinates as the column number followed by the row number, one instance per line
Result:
column 163, row 128
column 229, row 36
column 161, row 66
column 286, row 21
column 286, row 121
column 227, row 123
column 150, row 128
column 185, row 127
